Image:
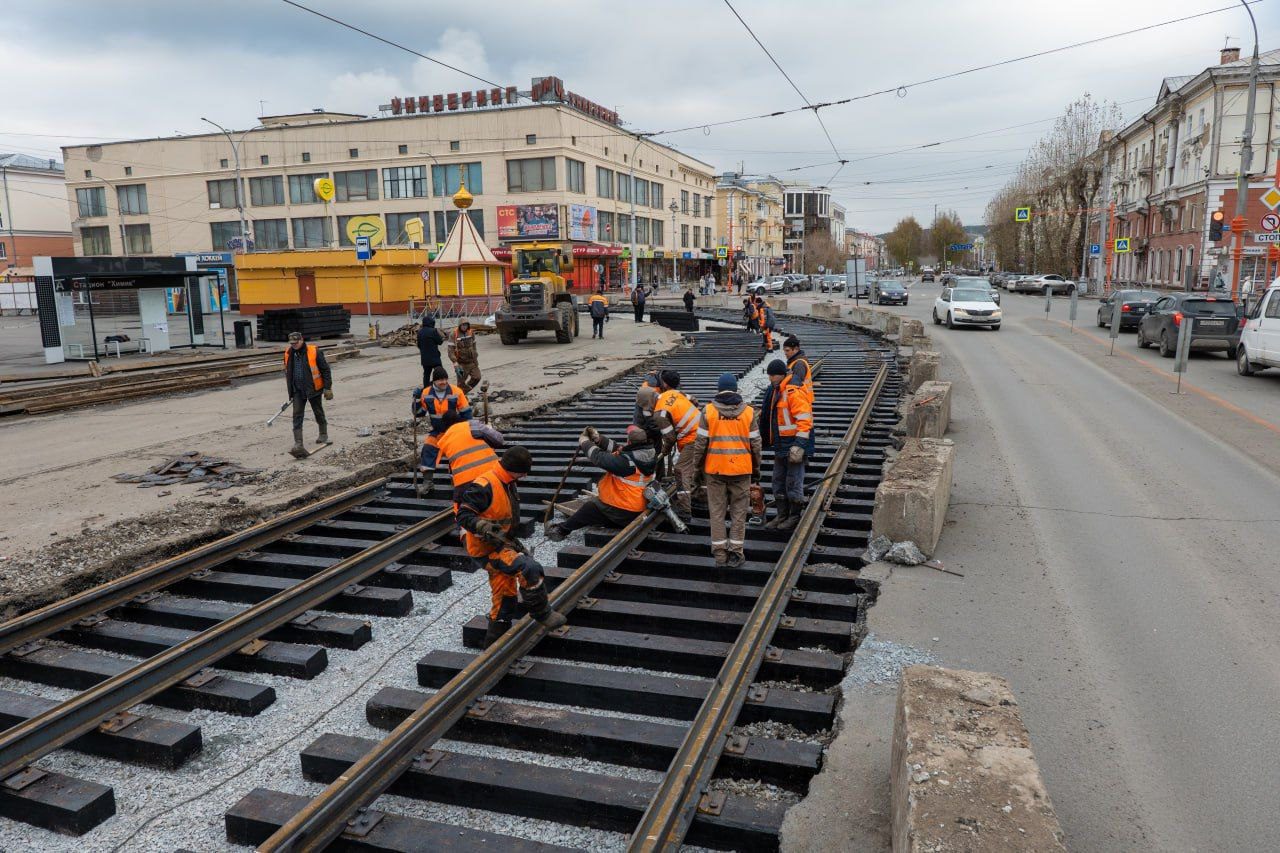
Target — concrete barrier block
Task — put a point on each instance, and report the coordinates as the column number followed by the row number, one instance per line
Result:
column 910, row 330
column 922, row 368
column 775, row 303
column 911, row 500
column 825, row 310
column 963, row 775
column 928, row 410
column 892, row 324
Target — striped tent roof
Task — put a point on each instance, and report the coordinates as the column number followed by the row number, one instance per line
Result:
column 464, row 247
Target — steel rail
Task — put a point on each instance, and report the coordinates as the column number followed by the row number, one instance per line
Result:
column 326, row 817
column 63, row 614
column 45, row 732
column 671, row 810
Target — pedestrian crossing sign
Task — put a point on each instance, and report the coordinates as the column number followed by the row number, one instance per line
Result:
column 1122, row 245
column 1022, row 214
column 722, row 252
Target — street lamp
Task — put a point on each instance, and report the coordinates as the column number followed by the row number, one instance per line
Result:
column 235, row 152
column 673, row 207
column 631, row 193
column 1246, row 161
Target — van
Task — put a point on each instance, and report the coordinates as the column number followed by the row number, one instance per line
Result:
column 1260, row 338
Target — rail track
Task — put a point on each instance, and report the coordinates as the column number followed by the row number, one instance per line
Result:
column 664, row 659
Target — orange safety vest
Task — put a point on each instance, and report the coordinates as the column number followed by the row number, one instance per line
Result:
column 468, row 456
column 794, row 413
column 598, row 297
column 625, row 493
column 499, row 510
column 316, row 378
column 683, row 415
column 807, row 385
column 728, row 442
column 435, row 406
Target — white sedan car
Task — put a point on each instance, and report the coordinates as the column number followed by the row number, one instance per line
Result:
column 966, row 306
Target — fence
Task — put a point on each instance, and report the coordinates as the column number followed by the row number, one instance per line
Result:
column 17, row 298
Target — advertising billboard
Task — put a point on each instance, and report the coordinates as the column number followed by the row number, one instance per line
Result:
column 528, row 222
column 582, row 223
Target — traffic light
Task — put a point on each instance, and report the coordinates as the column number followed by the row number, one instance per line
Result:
column 1216, row 221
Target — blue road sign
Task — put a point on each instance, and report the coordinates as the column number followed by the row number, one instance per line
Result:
column 960, row 247
column 1095, row 249
column 363, row 250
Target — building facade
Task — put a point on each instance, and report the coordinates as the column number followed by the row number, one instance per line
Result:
column 33, row 213
column 1177, row 163
column 558, row 167
column 808, row 213
column 749, row 220
column 860, row 244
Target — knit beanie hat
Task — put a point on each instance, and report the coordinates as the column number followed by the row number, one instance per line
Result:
column 517, row 460
column 728, row 382
column 777, row 367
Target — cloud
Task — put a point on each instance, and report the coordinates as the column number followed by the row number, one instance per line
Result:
column 362, row 92
column 462, row 49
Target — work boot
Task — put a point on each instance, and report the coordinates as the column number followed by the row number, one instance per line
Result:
column 426, row 485
column 323, row 438
column 783, row 510
column 555, row 533
column 298, row 451
column 497, row 627
column 735, row 559
column 535, row 600
column 793, row 516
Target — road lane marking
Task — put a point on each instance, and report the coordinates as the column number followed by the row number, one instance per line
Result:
column 1195, row 389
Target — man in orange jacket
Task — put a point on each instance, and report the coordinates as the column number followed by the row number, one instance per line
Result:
column 307, row 375
column 786, row 427
column 677, row 418
column 628, row 469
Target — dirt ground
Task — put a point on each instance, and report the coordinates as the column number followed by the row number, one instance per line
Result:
column 67, row 524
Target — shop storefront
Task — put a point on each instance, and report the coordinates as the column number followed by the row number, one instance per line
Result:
column 225, row 287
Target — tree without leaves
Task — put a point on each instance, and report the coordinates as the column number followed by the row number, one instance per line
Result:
column 820, row 250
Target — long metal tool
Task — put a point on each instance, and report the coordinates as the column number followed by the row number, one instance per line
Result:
column 283, row 406
column 325, row 817
column 671, row 810
column 63, row 614
column 551, row 507
column 66, row 721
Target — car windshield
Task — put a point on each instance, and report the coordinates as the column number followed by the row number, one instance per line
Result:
column 971, row 295
column 1209, row 307
column 890, row 287
column 1136, row 296
column 973, row 282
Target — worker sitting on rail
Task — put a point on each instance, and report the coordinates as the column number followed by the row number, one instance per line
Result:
column 488, row 511
column 786, row 427
column 727, row 449
column 677, row 417
column 620, row 493
column 467, row 448
column 434, row 402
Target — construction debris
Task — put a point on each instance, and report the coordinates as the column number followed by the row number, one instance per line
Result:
column 405, row 336
column 193, row 467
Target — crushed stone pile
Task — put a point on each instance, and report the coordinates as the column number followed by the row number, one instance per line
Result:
column 193, row 467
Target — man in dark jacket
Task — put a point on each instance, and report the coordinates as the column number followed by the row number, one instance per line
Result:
column 638, row 297
column 308, row 378
column 688, row 300
column 429, row 341
column 620, row 499
column 598, row 307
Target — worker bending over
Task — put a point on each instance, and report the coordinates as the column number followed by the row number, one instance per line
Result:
column 727, row 449
column 620, row 493
column 488, row 511
column 750, row 314
column 463, row 354
column 677, row 418
column 467, row 447
column 434, row 402
column 768, row 323
column 786, row 427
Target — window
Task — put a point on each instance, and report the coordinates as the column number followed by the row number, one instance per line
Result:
column 356, row 186
column 88, row 173
column 706, row 206
column 531, row 139
column 655, row 195
column 266, row 191
column 642, row 192
column 697, row 204
column 684, row 235
column 302, row 191
column 443, row 225
column 642, row 230
column 128, row 171
column 95, row 241
column 1273, row 305
column 404, row 182
column 706, row 237
column 656, row 231
column 605, row 228
column 624, row 187
column 445, row 179
column 396, row 233
column 575, row 176
column 402, row 149
column 343, row 221
column 353, row 153
column 263, row 160
column 531, row 176
column 604, row 182
column 132, row 199
column 91, row 202
column 306, row 156
column 684, row 202
column 312, row 232
column 4, row 251
column 221, row 163
column 271, row 234
column 624, row 226
column 222, row 193
column 223, row 233
column 455, row 145
column 137, row 239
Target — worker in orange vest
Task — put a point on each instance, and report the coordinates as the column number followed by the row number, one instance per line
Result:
column 786, row 427
column 434, row 402
column 598, row 308
column 768, row 323
column 727, row 449
column 307, row 375
column 488, row 511
column 677, row 418
column 620, row 499
column 467, row 447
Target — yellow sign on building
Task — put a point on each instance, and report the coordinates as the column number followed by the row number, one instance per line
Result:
column 415, row 230
column 366, row 226
column 323, row 188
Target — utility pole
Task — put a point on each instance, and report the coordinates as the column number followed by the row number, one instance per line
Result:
column 235, row 152
column 1246, row 161
column 1104, row 221
column 631, row 194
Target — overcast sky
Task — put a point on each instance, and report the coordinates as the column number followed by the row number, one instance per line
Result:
column 89, row 70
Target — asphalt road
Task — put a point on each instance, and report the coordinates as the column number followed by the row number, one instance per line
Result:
column 1120, row 549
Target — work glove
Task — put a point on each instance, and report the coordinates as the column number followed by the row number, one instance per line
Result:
column 795, row 455
column 328, row 393
column 490, row 529
column 533, row 572
column 591, row 434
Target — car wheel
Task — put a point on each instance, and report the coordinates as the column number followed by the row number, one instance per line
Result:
column 1101, row 324
column 1071, row 288
column 936, row 321
column 1231, row 352
column 1243, row 367
column 1166, row 351
column 951, row 323
column 995, row 328
column 1143, row 343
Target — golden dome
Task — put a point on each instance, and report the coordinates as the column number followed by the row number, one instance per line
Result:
column 462, row 199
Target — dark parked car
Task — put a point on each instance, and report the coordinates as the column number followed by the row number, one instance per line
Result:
column 887, row 292
column 1217, row 323
column 1134, row 305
